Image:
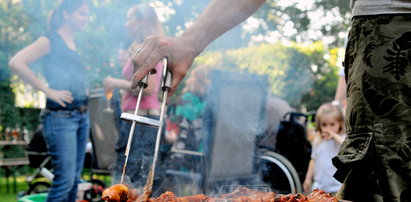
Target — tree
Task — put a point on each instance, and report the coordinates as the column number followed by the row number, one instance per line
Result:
column 10, row 29
column 294, row 71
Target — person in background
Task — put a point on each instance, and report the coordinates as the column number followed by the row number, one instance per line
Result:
column 142, row 21
column 188, row 116
column 330, row 126
column 65, row 119
column 186, row 132
column 374, row 160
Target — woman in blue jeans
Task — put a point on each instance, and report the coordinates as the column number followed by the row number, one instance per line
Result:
column 65, row 119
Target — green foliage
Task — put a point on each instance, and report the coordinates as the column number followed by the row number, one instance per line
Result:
column 276, row 17
column 9, row 116
column 290, row 70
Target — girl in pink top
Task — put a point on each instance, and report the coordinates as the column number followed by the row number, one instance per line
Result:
column 141, row 22
column 149, row 100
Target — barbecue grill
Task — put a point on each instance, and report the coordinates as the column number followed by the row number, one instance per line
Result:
column 233, row 121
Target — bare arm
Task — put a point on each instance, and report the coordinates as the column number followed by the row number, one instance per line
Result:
column 219, row 17
column 338, row 138
column 340, row 92
column 124, row 84
column 20, row 65
column 309, row 176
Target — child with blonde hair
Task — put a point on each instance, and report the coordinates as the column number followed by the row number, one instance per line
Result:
column 330, row 126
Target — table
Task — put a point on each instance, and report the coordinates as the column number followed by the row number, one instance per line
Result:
column 10, row 165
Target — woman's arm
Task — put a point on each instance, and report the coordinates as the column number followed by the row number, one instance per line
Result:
column 20, row 62
column 124, row 84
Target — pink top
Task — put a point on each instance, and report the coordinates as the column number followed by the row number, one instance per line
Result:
column 148, row 101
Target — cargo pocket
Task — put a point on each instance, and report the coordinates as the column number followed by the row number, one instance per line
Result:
column 354, row 149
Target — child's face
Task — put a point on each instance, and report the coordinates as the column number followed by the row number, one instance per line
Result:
column 329, row 125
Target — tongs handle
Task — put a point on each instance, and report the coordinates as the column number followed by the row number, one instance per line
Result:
column 165, row 86
column 167, row 76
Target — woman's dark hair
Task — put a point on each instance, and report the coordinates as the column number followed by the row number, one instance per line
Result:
column 56, row 17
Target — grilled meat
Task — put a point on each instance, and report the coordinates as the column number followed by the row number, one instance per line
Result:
column 122, row 193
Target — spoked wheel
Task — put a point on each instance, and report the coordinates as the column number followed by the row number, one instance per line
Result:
column 96, row 191
column 278, row 173
column 38, row 187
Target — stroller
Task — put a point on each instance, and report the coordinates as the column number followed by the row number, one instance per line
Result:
column 40, row 180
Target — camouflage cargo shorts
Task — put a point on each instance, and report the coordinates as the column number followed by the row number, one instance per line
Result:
column 374, row 161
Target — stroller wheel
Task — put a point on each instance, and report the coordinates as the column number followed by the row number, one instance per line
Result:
column 96, row 191
column 38, row 187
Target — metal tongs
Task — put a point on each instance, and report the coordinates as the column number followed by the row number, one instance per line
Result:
column 165, row 87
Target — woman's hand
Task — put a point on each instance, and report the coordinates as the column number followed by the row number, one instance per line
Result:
column 60, row 96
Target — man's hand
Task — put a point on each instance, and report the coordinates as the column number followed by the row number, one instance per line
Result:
column 177, row 50
column 181, row 51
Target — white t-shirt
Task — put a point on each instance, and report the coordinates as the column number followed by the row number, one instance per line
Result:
column 375, row 7
column 323, row 168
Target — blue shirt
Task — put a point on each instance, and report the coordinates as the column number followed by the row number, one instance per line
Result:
column 64, row 70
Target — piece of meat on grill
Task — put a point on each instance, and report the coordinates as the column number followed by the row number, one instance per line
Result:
column 320, row 195
column 247, row 194
column 119, row 193
column 169, row 196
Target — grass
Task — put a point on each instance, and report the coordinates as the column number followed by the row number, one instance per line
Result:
column 9, row 195
column 22, row 185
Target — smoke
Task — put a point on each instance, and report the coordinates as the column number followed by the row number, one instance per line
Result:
column 233, row 118
column 236, row 102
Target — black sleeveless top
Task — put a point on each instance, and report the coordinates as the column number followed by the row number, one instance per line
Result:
column 63, row 70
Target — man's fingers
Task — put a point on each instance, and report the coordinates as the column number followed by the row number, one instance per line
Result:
column 143, row 52
column 176, row 81
column 144, row 62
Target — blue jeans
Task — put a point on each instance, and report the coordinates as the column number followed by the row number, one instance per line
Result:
column 66, row 134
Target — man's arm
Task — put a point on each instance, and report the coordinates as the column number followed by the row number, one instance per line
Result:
column 219, row 17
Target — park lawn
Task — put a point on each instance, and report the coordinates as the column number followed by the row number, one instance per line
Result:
column 22, row 185
column 10, row 196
